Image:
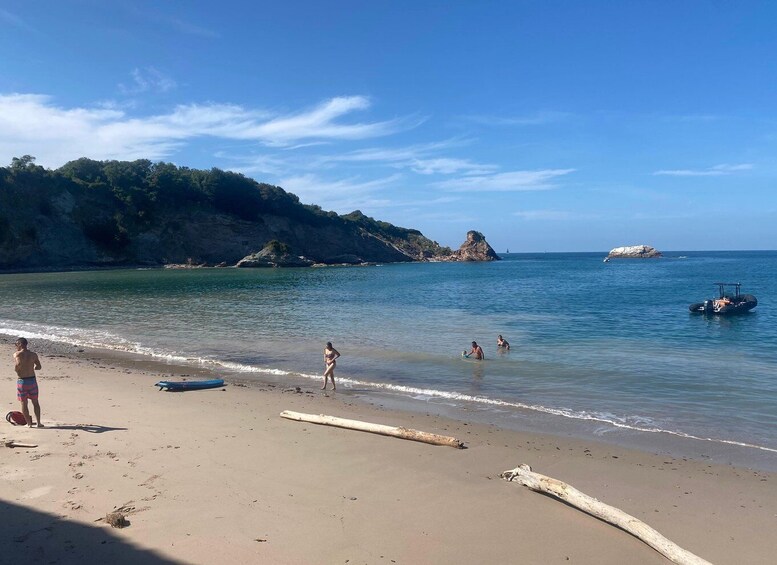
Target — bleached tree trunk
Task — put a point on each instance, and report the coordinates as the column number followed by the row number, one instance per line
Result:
column 400, row 432
column 541, row 483
column 13, row 443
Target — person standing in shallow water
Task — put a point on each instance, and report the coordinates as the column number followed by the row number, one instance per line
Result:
column 26, row 362
column 476, row 350
column 330, row 356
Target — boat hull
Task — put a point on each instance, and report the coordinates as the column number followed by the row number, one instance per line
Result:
column 744, row 304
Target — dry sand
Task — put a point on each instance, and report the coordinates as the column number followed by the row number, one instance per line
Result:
column 217, row 476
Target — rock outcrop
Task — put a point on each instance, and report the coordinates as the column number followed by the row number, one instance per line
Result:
column 634, row 252
column 476, row 248
column 274, row 254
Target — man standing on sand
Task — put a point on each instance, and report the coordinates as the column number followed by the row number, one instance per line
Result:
column 26, row 362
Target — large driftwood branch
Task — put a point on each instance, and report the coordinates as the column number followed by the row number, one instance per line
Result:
column 14, row 443
column 541, row 483
column 400, row 432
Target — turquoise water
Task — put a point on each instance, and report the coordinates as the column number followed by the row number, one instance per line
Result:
column 602, row 348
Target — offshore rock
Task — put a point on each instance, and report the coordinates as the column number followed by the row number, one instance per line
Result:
column 476, row 248
column 634, row 252
column 274, row 254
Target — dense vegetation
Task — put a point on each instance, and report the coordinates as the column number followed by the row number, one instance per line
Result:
column 111, row 202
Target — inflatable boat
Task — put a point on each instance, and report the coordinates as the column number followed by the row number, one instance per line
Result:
column 727, row 303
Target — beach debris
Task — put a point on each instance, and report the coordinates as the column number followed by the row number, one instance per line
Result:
column 393, row 431
column 117, row 520
column 523, row 475
column 296, row 390
column 14, row 443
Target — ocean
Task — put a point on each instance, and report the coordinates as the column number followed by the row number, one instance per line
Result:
column 600, row 350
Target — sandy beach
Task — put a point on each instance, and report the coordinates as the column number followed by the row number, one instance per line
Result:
column 212, row 476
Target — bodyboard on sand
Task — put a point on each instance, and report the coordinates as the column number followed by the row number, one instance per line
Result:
column 178, row 386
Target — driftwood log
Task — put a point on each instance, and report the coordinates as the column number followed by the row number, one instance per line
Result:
column 13, row 443
column 393, row 431
column 540, row 483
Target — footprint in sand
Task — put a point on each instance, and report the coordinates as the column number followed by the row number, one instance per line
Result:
column 72, row 505
column 147, row 482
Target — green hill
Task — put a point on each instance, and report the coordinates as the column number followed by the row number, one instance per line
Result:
column 119, row 213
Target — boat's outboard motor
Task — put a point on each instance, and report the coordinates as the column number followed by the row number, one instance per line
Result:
column 709, row 306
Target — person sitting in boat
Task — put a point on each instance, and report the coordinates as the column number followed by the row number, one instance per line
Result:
column 722, row 303
column 502, row 342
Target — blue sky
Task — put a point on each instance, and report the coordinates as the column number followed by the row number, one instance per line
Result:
column 548, row 126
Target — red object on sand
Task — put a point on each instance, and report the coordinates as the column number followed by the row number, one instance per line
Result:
column 16, row 418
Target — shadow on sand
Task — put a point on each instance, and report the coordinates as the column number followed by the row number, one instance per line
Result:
column 30, row 536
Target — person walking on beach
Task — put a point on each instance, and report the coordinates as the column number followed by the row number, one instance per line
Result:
column 330, row 355
column 476, row 350
column 26, row 362
column 502, row 342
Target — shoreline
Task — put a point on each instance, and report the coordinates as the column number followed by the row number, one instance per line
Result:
column 210, row 475
column 520, row 419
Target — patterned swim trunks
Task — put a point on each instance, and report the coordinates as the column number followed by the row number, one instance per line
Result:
column 27, row 388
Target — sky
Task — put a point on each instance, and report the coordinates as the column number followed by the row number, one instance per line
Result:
column 545, row 125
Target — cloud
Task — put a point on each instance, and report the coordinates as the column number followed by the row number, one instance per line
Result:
column 511, row 181
column 395, row 155
column 319, row 122
column 543, row 214
column 716, row 171
column 449, row 166
column 256, row 164
column 148, row 79
column 192, row 29
column 540, row 118
column 32, row 124
column 343, row 196
column 158, row 15
column 16, row 21
column 421, row 159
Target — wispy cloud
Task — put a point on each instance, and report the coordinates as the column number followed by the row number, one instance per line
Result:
column 34, row 124
column 555, row 215
column 342, row 195
column 160, row 16
column 16, row 21
column 716, row 171
column 190, row 28
column 396, row 154
column 147, row 80
column 692, row 118
column 512, row 181
column 543, row 214
column 423, row 159
column 539, row 118
column 319, row 122
column 448, row 166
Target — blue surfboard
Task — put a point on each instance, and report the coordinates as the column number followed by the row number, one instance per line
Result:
column 189, row 385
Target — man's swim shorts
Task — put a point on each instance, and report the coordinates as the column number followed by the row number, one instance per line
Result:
column 27, row 388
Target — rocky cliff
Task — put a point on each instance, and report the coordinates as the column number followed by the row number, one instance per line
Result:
column 634, row 252
column 475, row 248
column 113, row 213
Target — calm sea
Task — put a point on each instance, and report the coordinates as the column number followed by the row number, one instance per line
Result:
column 607, row 349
